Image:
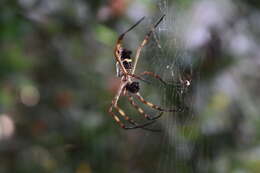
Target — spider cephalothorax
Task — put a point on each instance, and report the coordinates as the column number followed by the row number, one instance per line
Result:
column 129, row 87
column 133, row 87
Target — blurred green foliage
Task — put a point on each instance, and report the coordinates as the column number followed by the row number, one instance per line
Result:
column 57, row 80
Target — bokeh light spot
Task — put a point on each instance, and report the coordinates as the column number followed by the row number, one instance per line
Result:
column 29, row 95
column 7, row 127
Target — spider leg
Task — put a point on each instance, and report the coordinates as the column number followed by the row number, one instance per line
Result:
column 153, row 75
column 141, row 111
column 116, row 118
column 122, row 113
column 119, row 45
column 139, row 78
column 121, row 37
column 146, row 38
column 119, row 122
column 139, row 97
column 136, row 126
column 182, row 82
column 156, row 40
column 177, row 84
column 127, row 118
column 114, row 102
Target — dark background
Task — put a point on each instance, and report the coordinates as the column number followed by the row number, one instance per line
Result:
column 57, row 80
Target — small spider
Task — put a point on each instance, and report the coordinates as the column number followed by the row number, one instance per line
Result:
column 129, row 86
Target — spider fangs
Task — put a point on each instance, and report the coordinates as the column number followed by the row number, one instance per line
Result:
column 129, row 87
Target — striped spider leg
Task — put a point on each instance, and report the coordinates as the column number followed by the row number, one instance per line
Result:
column 114, row 104
column 144, row 42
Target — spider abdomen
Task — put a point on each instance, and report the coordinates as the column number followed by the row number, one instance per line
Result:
column 133, row 87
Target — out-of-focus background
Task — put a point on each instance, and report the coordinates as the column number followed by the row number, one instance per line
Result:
column 57, row 80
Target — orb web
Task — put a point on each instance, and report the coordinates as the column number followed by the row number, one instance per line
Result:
column 171, row 149
column 176, row 145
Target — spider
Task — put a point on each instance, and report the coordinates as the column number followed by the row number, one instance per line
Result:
column 129, row 86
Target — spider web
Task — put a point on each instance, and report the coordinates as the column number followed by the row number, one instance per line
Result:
column 176, row 143
column 190, row 142
column 172, row 148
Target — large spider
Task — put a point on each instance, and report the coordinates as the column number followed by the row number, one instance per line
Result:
column 129, row 86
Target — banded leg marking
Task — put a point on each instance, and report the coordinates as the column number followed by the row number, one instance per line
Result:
column 146, row 38
column 139, row 97
column 141, row 111
column 119, row 45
